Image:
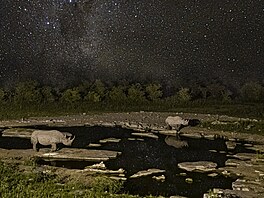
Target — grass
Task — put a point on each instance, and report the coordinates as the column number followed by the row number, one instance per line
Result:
column 247, row 126
column 37, row 184
column 249, row 110
column 10, row 111
column 259, row 155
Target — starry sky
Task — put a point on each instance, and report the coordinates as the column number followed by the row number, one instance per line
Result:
column 60, row 42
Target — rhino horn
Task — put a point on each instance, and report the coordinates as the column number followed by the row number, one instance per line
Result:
column 71, row 139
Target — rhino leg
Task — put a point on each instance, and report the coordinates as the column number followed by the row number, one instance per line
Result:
column 53, row 147
column 35, row 147
column 168, row 127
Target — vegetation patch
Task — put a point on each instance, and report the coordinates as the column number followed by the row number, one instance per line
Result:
column 244, row 126
column 29, row 98
column 35, row 183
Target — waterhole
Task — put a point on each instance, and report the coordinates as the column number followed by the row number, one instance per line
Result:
column 142, row 153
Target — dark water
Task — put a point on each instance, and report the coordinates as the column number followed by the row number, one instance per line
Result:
column 141, row 155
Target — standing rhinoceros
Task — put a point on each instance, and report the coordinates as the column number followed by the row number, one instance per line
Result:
column 176, row 122
column 50, row 137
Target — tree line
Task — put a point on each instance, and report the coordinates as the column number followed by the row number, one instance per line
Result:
column 32, row 93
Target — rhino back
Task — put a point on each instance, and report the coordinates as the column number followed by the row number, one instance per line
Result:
column 174, row 120
column 47, row 137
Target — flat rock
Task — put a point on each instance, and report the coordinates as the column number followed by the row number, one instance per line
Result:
column 108, row 124
column 147, row 172
column 119, row 171
column 94, row 145
column 110, row 140
column 212, row 175
column 209, row 137
column 231, row 193
column 246, row 185
column 118, row 178
column 192, row 135
column 234, row 163
column 100, row 165
column 245, row 156
column 200, row 166
column 167, row 132
column 150, row 135
column 257, row 148
column 17, row 132
column 78, row 154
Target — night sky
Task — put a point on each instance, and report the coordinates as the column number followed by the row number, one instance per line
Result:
column 60, row 42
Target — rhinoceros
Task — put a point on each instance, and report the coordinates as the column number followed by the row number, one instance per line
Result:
column 50, row 137
column 176, row 122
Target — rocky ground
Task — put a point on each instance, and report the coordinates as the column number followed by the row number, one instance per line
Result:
column 248, row 167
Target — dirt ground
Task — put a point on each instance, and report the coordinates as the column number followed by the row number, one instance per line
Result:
column 131, row 119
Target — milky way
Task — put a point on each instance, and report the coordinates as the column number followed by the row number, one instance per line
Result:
column 66, row 41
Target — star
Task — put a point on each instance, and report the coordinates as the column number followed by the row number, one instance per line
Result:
column 179, row 39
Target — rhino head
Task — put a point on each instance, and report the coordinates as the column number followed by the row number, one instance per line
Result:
column 68, row 140
column 185, row 122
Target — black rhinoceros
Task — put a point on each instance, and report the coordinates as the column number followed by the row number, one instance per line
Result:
column 50, row 137
column 176, row 122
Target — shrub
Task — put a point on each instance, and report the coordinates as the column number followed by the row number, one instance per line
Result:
column 136, row 94
column 184, row 95
column 252, row 92
column 93, row 97
column 99, row 88
column 71, row 96
column 27, row 93
column 2, row 95
column 154, row 92
column 117, row 94
column 48, row 95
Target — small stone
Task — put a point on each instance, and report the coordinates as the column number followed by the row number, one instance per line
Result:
column 118, row 178
column 189, row 180
column 248, row 145
column 136, row 139
column 159, row 178
column 212, row 175
column 230, row 145
column 183, row 174
column 101, row 166
column 213, row 151
column 209, row 137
